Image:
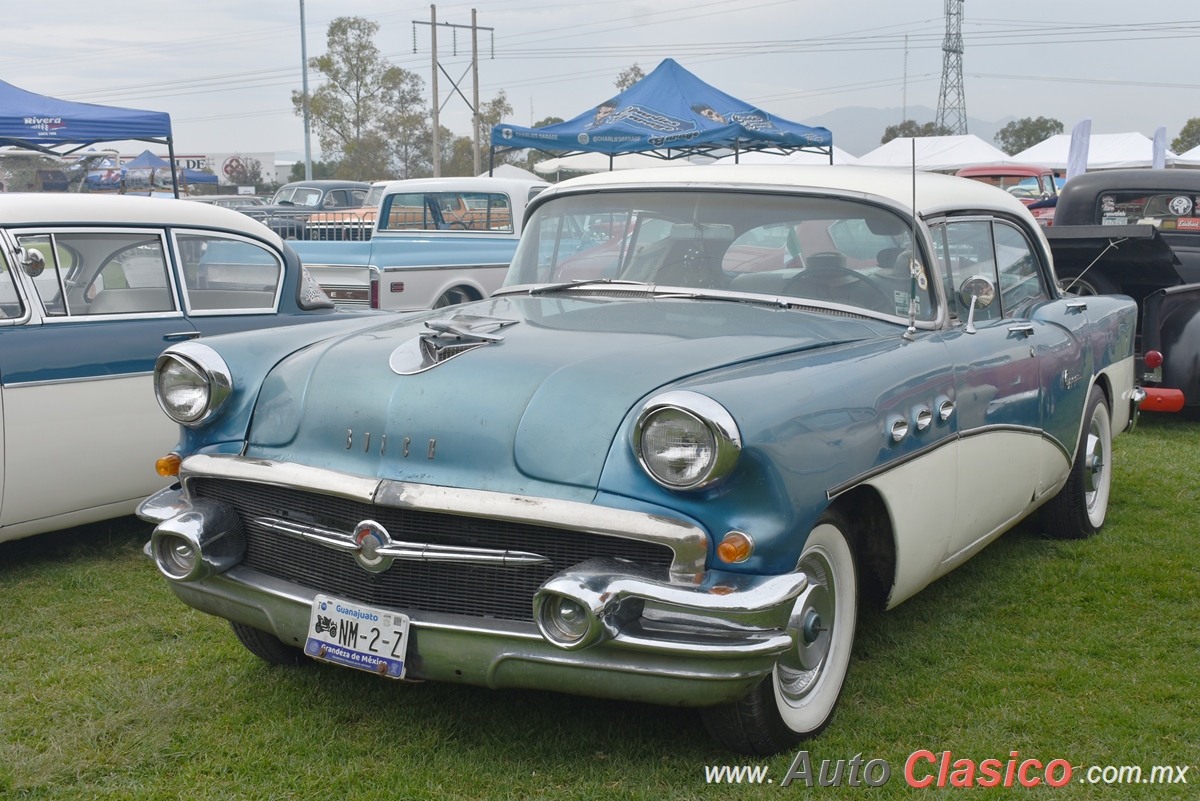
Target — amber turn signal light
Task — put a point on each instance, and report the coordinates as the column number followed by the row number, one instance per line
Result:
column 168, row 465
column 735, row 547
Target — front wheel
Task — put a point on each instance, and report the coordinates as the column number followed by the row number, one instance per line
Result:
column 1079, row 508
column 798, row 699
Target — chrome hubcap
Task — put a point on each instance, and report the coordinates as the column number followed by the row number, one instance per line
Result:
column 1093, row 464
column 810, row 624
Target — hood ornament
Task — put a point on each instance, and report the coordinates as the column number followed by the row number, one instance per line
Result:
column 447, row 337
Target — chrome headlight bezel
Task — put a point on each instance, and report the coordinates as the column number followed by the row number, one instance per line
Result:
column 207, row 364
column 727, row 440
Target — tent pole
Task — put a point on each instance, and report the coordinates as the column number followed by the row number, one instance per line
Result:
column 737, row 151
column 174, row 175
column 492, row 161
column 610, row 162
column 831, row 155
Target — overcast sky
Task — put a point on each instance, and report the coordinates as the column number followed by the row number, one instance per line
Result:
column 224, row 69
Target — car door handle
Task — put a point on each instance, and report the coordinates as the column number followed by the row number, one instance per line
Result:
column 178, row 335
column 1077, row 306
column 1023, row 329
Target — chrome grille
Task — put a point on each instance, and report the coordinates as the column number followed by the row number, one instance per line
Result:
column 492, row 592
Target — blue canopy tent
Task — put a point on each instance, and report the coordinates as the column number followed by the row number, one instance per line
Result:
column 152, row 163
column 668, row 114
column 60, row 127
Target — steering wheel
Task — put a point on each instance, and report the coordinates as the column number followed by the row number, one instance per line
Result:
column 829, row 277
column 458, row 224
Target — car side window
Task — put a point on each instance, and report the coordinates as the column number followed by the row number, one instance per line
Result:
column 221, row 274
column 95, row 273
column 336, row 199
column 1020, row 279
column 969, row 252
column 11, row 306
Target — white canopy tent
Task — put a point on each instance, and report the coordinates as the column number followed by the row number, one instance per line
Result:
column 1189, row 159
column 599, row 162
column 512, row 171
column 1105, row 152
column 800, row 157
column 934, row 153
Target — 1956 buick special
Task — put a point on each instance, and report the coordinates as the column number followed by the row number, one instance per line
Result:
column 710, row 412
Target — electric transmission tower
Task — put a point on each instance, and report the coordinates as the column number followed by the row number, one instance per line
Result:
column 952, row 100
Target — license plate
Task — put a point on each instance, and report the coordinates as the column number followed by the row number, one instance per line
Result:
column 350, row 634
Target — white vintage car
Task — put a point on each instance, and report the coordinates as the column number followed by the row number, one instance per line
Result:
column 92, row 289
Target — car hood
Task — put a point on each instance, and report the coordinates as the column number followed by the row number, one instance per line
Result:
column 534, row 410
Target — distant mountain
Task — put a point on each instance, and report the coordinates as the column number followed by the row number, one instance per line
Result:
column 858, row 129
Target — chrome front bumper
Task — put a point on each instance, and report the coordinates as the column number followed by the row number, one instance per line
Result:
column 696, row 638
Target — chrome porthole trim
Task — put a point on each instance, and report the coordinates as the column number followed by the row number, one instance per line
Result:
column 207, row 363
column 898, row 429
column 923, row 418
column 945, row 409
column 715, row 417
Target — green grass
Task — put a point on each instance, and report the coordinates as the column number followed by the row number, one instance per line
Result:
column 110, row 688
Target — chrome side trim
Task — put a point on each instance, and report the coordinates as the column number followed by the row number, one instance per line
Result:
column 849, row 484
column 689, row 542
column 432, row 267
column 408, row 551
column 84, row 379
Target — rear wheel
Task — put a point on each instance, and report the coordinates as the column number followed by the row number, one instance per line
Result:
column 1091, row 283
column 453, row 297
column 1080, row 507
column 267, row 647
column 798, row 699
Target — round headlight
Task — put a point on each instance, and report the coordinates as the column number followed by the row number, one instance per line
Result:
column 192, row 383
column 685, row 440
column 183, row 391
column 677, row 447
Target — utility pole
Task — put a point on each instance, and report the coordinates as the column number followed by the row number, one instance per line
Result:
column 437, row 151
column 475, row 89
column 473, row 69
column 304, row 74
column 904, row 95
column 952, row 102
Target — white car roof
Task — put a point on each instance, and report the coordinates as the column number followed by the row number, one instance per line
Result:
column 935, row 192
column 36, row 208
column 513, row 186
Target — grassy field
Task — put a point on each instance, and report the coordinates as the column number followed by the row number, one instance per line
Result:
column 1088, row 651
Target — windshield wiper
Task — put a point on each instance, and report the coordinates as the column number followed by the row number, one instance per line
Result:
column 583, row 282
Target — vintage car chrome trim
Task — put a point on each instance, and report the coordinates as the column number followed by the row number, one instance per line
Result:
column 210, row 364
column 405, row 551
column 689, row 542
column 1136, row 396
column 613, row 595
column 851, row 483
column 433, row 267
column 80, row 380
column 162, row 505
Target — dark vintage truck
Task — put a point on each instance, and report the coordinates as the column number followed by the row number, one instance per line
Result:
column 1137, row 233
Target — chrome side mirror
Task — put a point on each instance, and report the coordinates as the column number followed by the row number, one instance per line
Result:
column 981, row 292
column 32, row 262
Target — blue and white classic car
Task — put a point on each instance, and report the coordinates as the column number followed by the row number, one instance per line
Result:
column 92, row 289
column 711, row 411
column 424, row 243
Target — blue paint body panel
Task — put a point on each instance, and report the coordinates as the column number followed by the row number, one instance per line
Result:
column 391, row 253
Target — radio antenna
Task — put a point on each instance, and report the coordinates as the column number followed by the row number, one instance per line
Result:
column 913, row 267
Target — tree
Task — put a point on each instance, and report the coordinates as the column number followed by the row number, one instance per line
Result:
column 629, row 77
column 911, row 128
column 1023, row 134
column 351, row 110
column 320, row 169
column 1189, row 136
column 407, row 127
column 458, row 153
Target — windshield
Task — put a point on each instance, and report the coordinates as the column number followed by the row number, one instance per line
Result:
column 823, row 249
column 374, row 196
column 297, row 195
